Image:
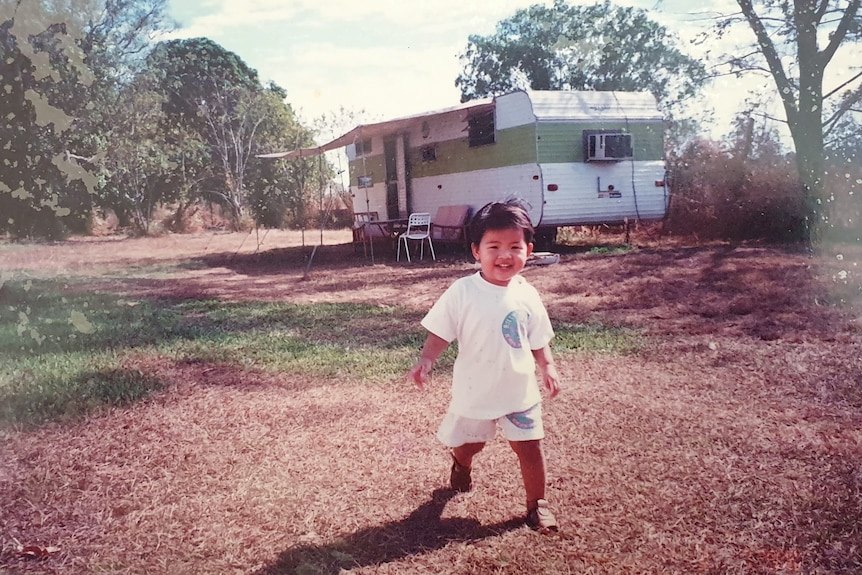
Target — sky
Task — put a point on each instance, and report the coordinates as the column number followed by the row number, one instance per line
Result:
column 384, row 58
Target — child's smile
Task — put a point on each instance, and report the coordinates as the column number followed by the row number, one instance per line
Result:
column 502, row 254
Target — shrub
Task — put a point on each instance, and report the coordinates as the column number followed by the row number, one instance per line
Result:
column 843, row 197
column 718, row 194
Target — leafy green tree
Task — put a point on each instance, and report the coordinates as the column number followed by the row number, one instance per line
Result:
column 60, row 69
column 795, row 43
column 191, row 70
column 116, row 37
column 42, row 83
column 563, row 47
column 213, row 93
column 232, row 118
column 136, row 157
column 284, row 191
column 187, row 173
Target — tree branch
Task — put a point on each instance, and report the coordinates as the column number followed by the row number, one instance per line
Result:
column 845, row 106
column 840, row 31
column 785, row 88
column 831, row 93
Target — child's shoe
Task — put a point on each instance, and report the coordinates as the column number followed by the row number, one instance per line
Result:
column 540, row 518
column 460, row 479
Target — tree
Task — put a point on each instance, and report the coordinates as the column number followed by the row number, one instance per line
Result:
column 187, row 173
column 42, row 79
column 116, row 36
column 795, row 43
column 136, row 155
column 55, row 88
column 283, row 191
column 599, row 47
column 213, row 93
column 328, row 127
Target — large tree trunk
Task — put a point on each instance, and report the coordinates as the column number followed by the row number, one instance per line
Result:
column 803, row 105
column 806, row 121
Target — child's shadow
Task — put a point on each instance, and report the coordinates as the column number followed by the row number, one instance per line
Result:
column 420, row 532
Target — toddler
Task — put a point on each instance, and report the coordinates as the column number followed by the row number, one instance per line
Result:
column 503, row 332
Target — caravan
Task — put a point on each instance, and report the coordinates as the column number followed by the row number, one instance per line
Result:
column 576, row 158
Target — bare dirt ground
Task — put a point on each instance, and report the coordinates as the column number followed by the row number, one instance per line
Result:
column 731, row 443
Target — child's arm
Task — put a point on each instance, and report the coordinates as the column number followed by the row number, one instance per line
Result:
column 550, row 377
column 434, row 346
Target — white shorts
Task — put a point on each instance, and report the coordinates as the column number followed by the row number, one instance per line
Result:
column 521, row 426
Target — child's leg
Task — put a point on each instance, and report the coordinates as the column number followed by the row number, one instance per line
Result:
column 463, row 454
column 532, row 460
column 459, row 477
column 466, row 437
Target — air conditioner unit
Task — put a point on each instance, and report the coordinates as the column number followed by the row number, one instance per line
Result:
column 607, row 146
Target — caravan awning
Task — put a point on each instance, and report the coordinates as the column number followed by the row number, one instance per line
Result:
column 380, row 129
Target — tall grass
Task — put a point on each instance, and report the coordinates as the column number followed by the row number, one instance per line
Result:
column 65, row 351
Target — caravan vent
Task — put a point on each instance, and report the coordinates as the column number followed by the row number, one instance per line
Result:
column 603, row 146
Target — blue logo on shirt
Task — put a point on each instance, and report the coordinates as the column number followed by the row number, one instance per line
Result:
column 511, row 333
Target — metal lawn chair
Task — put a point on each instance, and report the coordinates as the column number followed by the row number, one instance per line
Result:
column 418, row 229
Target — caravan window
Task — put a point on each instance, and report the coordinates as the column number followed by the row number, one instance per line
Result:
column 429, row 153
column 363, row 147
column 481, row 129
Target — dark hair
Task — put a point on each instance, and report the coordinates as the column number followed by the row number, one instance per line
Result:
column 505, row 215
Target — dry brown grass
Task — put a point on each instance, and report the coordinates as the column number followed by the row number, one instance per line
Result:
column 732, row 443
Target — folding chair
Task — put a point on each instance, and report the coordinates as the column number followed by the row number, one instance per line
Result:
column 418, row 229
column 363, row 230
column 450, row 226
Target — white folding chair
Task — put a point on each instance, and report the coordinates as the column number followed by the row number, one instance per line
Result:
column 418, row 229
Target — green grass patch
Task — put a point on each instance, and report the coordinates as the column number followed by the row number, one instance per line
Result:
column 66, row 387
column 62, row 346
column 362, row 341
column 39, row 317
column 612, row 250
column 596, row 338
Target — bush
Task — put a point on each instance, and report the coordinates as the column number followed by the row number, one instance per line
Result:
column 718, row 195
column 843, row 197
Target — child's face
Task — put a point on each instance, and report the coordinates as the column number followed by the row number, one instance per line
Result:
column 502, row 254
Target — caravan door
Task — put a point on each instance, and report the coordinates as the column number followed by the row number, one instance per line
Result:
column 390, row 154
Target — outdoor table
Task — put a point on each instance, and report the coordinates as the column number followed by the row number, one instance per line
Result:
column 389, row 229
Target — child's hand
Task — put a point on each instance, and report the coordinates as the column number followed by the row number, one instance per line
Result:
column 420, row 373
column 551, row 380
column 550, row 377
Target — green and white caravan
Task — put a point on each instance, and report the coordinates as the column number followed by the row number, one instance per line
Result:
column 575, row 158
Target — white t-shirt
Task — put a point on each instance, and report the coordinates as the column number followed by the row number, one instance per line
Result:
column 496, row 327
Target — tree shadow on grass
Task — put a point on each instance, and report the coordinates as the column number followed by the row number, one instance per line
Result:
column 420, row 532
column 328, row 257
column 69, row 397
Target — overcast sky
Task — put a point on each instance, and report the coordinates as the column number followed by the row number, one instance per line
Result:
column 389, row 58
